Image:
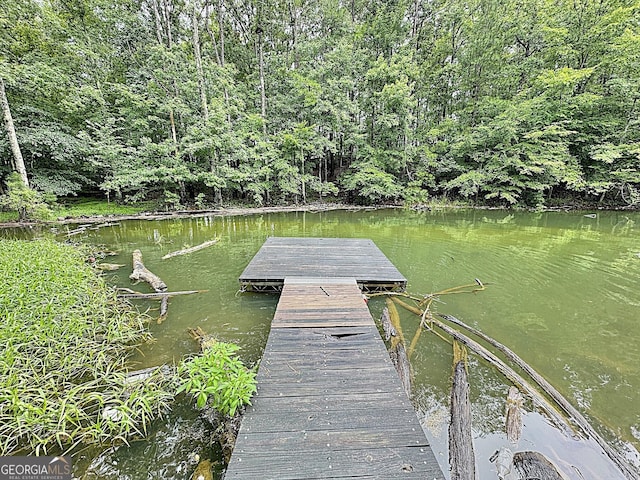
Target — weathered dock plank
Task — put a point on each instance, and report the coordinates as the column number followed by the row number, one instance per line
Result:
column 329, row 402
column 282, row 257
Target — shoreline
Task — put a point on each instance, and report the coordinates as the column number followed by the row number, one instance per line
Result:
column 312, row 207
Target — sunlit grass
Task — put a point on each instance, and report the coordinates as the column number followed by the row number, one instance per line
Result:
column 65, row 342
column 93, row 207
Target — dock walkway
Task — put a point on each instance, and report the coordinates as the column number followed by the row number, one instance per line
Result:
column 329, row 401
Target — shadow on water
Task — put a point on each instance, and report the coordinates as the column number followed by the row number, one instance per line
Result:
column 564, row 294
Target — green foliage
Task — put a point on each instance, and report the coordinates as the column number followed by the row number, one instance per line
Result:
column 219, row 378
column 27, row 202
column 65, row 340
column 369, row 184
column 496, row 101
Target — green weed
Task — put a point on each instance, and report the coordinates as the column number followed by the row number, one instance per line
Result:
column 66, row 338
column 219, row 378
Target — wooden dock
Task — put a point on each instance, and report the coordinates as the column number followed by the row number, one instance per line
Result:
column 329, row 401
column 282, row 257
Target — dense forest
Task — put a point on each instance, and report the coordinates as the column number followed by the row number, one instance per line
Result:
column 268, row 102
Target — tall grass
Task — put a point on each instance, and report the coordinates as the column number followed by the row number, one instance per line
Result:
column 64, row 341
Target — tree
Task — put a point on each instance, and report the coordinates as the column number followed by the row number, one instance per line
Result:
column 18, row 161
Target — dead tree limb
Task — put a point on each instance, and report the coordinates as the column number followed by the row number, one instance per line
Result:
column 574, row 415
column 141, row 273
column 192, row 249
column 138, row 295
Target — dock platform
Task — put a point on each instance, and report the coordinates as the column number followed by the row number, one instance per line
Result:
column 329, row 402
column 282, row 257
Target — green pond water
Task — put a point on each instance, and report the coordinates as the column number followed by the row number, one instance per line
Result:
column 563, row 292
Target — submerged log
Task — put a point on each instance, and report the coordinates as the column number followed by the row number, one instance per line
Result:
column 461, row 456
column 191, row 249
column 536, row 465
column 109, row 266
column 146, row 373
column 574, row 415
column 142, row 274
column 513, row 418
column 146, row 296
column 227, row 434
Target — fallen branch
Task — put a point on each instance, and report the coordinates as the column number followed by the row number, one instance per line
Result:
column 192, row 249
column 109, row 266
column 549, row 389
column 138, row 295
column 141, row 273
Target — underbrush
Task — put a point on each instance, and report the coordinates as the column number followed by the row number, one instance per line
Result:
column 66, row 343
column 66, row 339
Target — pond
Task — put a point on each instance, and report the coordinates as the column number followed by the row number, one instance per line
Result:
column 563, row 292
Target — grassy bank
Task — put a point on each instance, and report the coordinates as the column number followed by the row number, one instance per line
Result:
column 65, row 342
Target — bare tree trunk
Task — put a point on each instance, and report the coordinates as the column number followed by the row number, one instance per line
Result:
column 221, row 27
column 219, row 54
column 198, row 58
column 18, row 161
column 212, row 36
column 263, row 95
column 156, row 16
column 166, row 13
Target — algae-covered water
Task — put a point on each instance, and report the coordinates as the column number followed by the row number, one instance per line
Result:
column 563, row 292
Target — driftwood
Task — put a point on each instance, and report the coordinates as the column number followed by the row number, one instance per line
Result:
column 393, row 331
column 109, row 266
column 535, row 465
column 507, row 371
column 141, row 273
column 569, row 409
column 513, row 417
column 628, row 471
column 192, row 249
column 461, row 456
column 227, row 433
column 138, row 295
